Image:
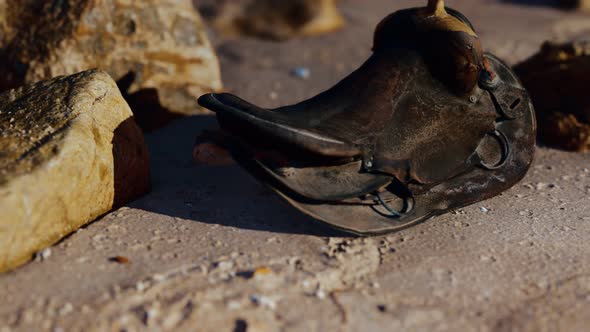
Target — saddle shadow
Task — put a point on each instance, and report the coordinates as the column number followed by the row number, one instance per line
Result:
column 226, row 196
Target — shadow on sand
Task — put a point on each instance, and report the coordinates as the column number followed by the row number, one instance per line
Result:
column 226, row 196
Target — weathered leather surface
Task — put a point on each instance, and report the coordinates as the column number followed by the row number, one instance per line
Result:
column 428, row 139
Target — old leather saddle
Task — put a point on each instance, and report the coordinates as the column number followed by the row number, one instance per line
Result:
column 428, row 124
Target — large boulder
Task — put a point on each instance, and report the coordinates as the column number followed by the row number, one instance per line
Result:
column 70, row 151
column 273, row 19
column 157, row 50
column 558, row 79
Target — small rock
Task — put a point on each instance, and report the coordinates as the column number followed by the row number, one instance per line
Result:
column 483, row 209
column 98, row 237
column 306, row 284
column 159, row 277
column 120, row 260
column 544, row 186
column 301, row 72
column 262, row 271
column 140, row 286
column 81, row 260
column 150, row 315
column 66, row 309
column 45, row 254
column 234, row 305
column 263, row 301
column 224, row 265
column 208, row 152
column 320, row 294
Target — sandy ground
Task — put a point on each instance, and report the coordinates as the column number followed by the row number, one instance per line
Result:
column 211, row 250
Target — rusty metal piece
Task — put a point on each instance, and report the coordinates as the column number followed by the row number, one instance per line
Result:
column 398, row 141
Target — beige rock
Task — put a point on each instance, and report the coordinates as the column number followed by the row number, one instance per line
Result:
column 276, row 19
column 558, row 79
column 208, row 151
column 157, row 50
column 580, row 4
column 69, row 152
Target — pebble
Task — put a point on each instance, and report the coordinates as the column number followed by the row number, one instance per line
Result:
column 45, row 254
column 66, row 309
column 140, row 286
column 120, row 259
column 543, row 186
column 151, row 314
column 234, row 305
column 301, row 72
column 225, row 265
column 263, row 301
column 320, row 294
column 483, row 209
column 261, row 272
column 82, row 259
column 98, row 237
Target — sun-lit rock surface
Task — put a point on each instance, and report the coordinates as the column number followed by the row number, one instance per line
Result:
column 157, row 50
column 276, row 19
column 69, row 152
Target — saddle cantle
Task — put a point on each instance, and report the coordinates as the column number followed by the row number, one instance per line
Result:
column 429, row 123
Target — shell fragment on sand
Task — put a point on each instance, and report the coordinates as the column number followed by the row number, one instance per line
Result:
column 157, row 50
column 70, row 151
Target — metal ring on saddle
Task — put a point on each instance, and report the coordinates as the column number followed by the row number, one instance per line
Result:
column 506, row 151
column 408, row 207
